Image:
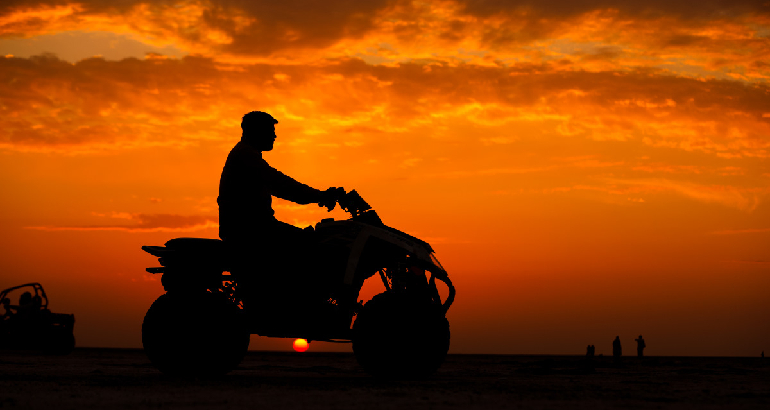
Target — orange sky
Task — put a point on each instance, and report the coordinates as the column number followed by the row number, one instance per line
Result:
column 584, row 169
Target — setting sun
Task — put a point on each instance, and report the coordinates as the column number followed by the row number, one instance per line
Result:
column 301, row 345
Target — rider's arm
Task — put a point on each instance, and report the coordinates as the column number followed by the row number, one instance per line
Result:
column 286, row 187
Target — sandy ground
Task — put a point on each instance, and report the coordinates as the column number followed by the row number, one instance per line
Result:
column 110, row 378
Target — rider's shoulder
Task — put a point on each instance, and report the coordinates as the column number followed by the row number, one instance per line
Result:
column 244, row 151
column 246, row 160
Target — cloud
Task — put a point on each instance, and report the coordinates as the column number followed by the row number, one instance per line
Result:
column 94, row 104
column 236, row 27
column 49, row 104
column 690, row 9
column 744, row 199
column 73, row 46
column 144, row 223
column 697, row 40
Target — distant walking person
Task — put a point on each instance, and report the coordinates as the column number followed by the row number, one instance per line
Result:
column 617, row 350
column 640, row 345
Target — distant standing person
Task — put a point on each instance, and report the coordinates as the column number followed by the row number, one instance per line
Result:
column 590, row 350
column 617, row 350
column 640, row 345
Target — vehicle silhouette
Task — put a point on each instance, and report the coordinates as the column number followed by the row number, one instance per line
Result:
column 31, row 325
column 201, row 325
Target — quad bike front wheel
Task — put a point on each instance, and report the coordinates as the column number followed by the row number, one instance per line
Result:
column 194, row 334
column 400, row 337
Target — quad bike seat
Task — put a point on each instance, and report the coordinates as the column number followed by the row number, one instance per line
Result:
column 196, row 244
column 187, row 246
column 187, row 252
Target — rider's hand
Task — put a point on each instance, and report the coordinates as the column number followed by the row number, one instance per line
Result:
column 329, row 198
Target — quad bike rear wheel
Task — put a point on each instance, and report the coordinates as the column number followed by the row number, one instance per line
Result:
column 197, row 334
column 400, row 337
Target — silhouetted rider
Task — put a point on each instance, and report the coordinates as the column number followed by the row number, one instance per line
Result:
column 248, row 183
column 246, row 217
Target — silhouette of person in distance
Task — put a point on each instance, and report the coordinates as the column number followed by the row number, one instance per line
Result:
column 262, row 247
column 26, row 305
column 640, row 345
column 7, row 307
column 617, row 349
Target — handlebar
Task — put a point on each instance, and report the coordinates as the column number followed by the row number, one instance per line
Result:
column 352, row 203
column 331, row 197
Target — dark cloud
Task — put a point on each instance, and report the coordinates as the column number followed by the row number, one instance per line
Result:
column 259, row 28
column 294, row 23
column 655, row 24
column 685, row 9
column 602, row 53
column 252, row 27
column 679, row 40
column 309, row 11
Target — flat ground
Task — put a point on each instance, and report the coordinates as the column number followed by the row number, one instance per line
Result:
column 110, row 378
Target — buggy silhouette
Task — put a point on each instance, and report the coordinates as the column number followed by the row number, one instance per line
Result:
column 31, row 325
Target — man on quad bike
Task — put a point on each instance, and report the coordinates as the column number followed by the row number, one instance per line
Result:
column 294, row 283
column 261, row 244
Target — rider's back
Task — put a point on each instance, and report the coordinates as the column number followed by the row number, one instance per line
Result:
column 246, row 188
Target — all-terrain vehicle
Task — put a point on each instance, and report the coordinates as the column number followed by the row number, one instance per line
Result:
column 201, row 325
column 31, row 325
